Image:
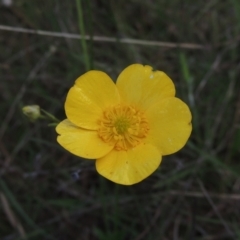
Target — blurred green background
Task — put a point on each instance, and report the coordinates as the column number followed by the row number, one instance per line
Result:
column 47, row 193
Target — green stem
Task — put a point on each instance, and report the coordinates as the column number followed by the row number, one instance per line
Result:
column 82, row 31
column 50, row 116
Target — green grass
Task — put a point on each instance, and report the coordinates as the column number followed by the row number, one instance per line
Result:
column 193, row 195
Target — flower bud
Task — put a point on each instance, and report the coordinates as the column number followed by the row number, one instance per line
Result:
column 32, row 112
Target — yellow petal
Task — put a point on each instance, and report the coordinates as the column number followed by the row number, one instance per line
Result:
column 170, row 125
column 141, row 86
column 129, row 167
column 81, row 142
column 91, row 94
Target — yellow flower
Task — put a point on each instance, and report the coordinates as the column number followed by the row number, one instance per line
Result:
column 128, row 126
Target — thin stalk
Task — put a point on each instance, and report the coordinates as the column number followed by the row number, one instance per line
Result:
column 82, row 31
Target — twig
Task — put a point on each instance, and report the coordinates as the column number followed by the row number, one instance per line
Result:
column 104, row 39
column 11, row 216
column 23, row 88
column 214, row 67
column 201, row 195
column 229, row 231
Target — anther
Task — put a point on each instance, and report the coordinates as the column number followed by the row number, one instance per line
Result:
column 123, row 126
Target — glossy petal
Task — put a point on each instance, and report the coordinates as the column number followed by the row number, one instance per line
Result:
column 129, row 167
column 91, row 94
column 81, row 142
column 170, row 125
column 141, row 86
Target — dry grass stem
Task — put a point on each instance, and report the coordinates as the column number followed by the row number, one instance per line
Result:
column 104, row 39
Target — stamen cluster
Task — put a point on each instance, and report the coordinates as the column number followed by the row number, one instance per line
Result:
column 123, row 126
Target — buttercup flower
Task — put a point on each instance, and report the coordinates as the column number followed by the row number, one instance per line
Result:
column 128, row 126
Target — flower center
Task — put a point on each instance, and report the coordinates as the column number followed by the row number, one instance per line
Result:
column 123, row 126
